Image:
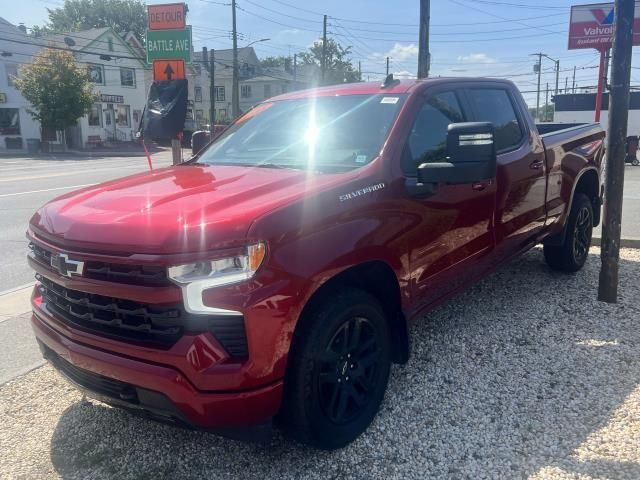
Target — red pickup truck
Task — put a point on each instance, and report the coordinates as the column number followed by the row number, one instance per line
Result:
column 274, row 275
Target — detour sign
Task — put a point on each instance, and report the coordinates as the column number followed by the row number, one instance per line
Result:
column 166, row 16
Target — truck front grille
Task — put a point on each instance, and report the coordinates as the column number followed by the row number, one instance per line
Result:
column 120, row 319
column 111, row 272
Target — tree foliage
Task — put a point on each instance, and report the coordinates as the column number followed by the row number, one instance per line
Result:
column 275, row 62
column 339, row 68
column 77, row 15
column 59, row 90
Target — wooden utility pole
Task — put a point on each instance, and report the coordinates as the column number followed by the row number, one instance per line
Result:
column 212, row 89
column 538, row 94
column 614, row 178
column 424, row 56
column 295, row 71
column 557, row 74
column 566, row 84
column 359, row 71
column 387, row 66
column 323, row 64
column 235, row 87
column 546, row 104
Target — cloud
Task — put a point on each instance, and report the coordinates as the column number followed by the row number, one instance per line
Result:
column 404, row 75
column 476, row 58
column 399, row 52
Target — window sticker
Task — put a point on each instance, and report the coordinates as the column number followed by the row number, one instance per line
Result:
column 390, row 100
column 361, row 159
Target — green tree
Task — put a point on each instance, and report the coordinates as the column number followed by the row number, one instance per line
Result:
column 77, row 15
column 59, row 90
column 274, row 62
column 339, row 67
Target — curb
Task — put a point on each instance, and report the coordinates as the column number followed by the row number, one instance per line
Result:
column 624, row 242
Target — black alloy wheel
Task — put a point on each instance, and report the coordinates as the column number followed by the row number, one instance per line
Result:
column 582, row 234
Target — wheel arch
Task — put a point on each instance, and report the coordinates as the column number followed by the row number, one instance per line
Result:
column 377, row 278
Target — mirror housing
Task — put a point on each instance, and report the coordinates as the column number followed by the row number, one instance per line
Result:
column 199, row 140
column 471, row 156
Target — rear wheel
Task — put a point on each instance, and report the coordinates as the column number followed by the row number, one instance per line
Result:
column 338, row 370
column 635, row 162
column 572, row 254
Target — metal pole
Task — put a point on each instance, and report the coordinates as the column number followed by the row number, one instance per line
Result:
column 574, row 80
column 600, row 85
column 387, row 66
column 424, row 56
column 295, row 71
column 557, row 74
column 176, row 151
column 324, row 47
column 235, row 87
column 359, row 71
column 546, row 104
column 538, row 94
column 566, row 84
column 212, row 88
column 614, row 178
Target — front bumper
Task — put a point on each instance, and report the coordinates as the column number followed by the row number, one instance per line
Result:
column 158, row 391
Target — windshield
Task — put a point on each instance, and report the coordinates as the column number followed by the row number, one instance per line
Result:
column 321, row 133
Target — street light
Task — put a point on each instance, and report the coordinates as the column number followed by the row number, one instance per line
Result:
column 235, row 88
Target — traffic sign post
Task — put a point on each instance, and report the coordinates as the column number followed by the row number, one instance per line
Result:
column 168, row 69
column 169, row 44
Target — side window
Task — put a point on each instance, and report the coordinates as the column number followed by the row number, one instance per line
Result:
column 495, row 106
column 428, row 138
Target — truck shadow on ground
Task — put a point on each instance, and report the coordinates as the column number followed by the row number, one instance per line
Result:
column 521, row 375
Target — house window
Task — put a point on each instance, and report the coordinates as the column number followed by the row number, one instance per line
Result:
column 198, row 92
column 96, row 72
column 122, row 119
column 267, row 90
column 222, row 115
column 9, row 121
column 127, row 77
column 219, row 94
column 95, row 115
column 199, row 116
column 245, row 91
column 136, row 117
column 12, row 71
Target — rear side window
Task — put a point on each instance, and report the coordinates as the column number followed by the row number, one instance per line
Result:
column 495, row 106
column 428, row 138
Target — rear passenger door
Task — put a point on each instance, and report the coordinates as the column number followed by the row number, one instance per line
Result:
column 521, row 171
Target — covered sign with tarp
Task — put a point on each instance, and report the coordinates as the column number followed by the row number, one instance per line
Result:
column 166, row 109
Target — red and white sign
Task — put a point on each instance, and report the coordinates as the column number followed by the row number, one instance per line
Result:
column 591, row 26
column 166, row 16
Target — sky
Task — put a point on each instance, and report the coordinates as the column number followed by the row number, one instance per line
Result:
column 468, row 37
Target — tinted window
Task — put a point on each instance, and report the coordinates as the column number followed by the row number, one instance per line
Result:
column 428, row 139
column 495, row 106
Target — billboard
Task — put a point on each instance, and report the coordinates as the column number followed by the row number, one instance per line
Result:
column 591, row 26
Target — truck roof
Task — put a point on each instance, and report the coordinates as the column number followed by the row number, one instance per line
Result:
column 371, row 88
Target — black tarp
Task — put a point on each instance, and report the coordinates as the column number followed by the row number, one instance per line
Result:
column 166, row 109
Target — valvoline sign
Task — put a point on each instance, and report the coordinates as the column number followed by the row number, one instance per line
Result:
column 591, row 26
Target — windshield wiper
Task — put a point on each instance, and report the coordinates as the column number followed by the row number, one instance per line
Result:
column 275, row 165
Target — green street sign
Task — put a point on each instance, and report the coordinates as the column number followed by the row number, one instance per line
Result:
column 169, row 44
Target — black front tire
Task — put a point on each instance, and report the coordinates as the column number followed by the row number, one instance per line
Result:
column 574, row 251
column 338, row 370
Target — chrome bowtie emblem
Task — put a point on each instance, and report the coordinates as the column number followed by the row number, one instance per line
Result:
column 66, row 267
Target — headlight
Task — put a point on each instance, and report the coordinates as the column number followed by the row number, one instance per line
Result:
column 196, row 277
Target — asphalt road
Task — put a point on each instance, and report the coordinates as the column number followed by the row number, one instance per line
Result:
column 28, row 183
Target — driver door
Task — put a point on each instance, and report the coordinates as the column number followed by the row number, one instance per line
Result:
column 450, row 244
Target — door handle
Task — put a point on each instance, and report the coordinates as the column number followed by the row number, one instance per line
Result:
column 537, row 165
column 479, row 186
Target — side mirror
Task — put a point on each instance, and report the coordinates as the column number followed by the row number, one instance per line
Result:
column 471, row 156
column 199, row 140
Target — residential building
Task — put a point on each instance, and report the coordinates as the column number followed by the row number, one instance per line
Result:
column 18, row 129
column 118, row 72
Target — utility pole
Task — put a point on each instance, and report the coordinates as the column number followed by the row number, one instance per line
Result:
column 212, row 88
column 538, row 94
column 295, row 71
column 614, row 176
column 424, row 56
column 235, row 87
column 387, row 66
column 566, row 84
column 546, row 104
column 557, row 74
column 573, row 90
column 359, row 71
column 323, row 63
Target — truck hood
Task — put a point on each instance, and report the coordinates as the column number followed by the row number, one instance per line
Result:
column 186, row 208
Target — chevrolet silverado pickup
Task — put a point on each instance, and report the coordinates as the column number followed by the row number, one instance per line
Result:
column 272, row 278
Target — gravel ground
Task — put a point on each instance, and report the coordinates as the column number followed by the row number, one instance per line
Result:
column 525, row 375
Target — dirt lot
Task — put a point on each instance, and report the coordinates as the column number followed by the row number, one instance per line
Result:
column 525, row 375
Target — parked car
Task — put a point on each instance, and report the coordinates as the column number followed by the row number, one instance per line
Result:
column 275, row 274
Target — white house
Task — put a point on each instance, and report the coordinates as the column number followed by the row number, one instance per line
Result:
column 17, row 128
column 118, row 72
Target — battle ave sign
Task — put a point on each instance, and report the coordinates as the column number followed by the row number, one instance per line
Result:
column 169, row 44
